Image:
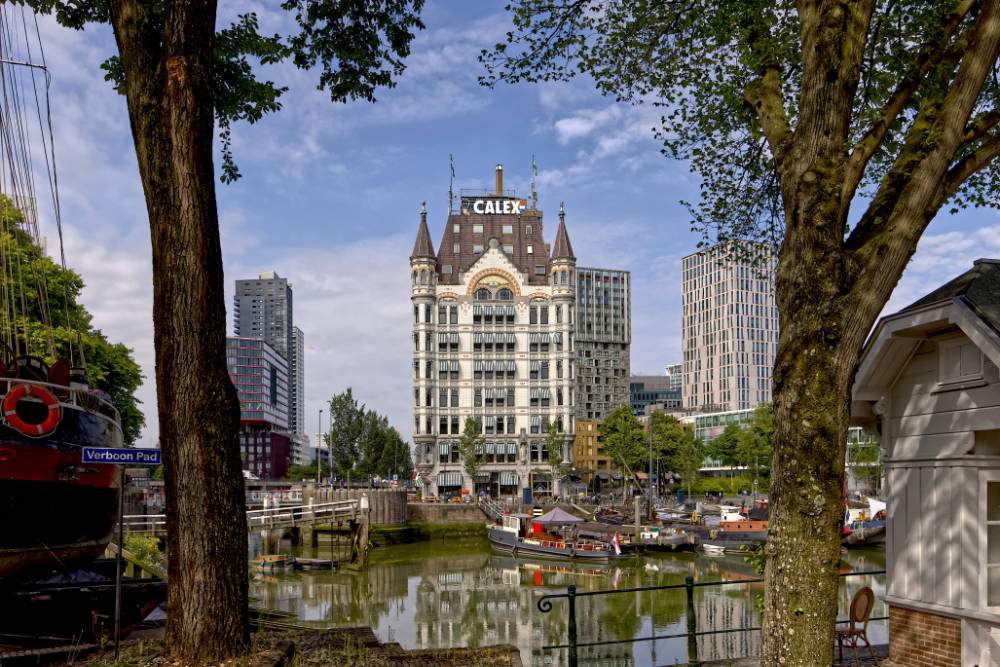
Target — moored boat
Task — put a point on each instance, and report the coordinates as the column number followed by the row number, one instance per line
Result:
column 57, row 511
column 512, row 536
column 274, row 562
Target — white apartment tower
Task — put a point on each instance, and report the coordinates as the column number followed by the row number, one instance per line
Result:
column 729, row 327
column 493, row 327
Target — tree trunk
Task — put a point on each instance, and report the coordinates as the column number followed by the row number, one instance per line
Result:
column 169, row 94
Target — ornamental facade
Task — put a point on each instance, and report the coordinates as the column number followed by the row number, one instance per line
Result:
column 493, row 339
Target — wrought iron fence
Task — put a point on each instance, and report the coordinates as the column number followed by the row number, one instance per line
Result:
column 545, row 605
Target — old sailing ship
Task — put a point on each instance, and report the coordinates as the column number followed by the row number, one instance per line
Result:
column 56, row 512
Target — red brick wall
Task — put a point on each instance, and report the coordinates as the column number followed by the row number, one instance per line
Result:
column 919, row 638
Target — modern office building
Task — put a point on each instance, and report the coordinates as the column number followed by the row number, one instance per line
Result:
column 262, row 308
column 675, row 375
column 260, row 375
column 729, row 327
column 493, row 339
column 603, row 340
column 653, row 392
column 297, row 382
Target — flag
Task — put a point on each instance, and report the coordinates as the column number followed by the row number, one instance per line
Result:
column 452, row 159
column 534, row 167
column 614, row 580
column 614, row 543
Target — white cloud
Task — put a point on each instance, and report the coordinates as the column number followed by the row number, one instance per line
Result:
column 939, row 258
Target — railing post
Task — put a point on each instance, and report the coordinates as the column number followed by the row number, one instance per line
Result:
column 571, row 589
column 692, row 621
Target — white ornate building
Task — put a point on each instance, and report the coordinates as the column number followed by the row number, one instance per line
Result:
column 493, row 339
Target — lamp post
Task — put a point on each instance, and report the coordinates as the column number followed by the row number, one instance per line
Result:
column 319, row 438
column 329, row 447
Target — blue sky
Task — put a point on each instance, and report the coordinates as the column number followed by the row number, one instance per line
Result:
column 330, row 198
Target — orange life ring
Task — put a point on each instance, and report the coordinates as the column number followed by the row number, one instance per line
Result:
column 34, row 430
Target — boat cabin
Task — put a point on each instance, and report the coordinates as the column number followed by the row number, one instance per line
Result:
column 928, row 384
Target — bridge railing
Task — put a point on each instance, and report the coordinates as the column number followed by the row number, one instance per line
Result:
column 305, row 513
column 273, row 516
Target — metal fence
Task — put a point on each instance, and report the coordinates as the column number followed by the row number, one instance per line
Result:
column 692, row 634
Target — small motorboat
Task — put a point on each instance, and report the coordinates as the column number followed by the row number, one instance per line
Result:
column 713, row 549
column 274, row 562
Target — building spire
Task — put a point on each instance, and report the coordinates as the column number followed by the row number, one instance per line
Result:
column 562, row 248
column 423, row 247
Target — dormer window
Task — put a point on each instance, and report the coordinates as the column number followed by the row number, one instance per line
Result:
column 478, row 248
column 530, row 250
column 527, row 229
column 959, row 361
column 477, row 229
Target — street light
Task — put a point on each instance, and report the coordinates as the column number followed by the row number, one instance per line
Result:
column 319, row 438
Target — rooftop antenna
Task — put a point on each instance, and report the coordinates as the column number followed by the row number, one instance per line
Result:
column 451, row 182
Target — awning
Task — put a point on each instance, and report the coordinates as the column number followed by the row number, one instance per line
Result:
column 482, row 477
column 449, row 479
column 558, row 517
column 641, row 475
column 602, row 474
column 509, row 479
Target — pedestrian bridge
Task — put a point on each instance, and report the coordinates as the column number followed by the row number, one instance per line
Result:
column 265, row 519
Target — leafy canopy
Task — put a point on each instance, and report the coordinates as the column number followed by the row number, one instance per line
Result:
column 358, row 46
column 52, row 294
column 470, row 447
column 622, row 436
column 713, row 67
column 362, row 442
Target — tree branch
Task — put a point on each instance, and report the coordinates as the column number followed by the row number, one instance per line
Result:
column 988, row 151
column 981, row 125
column 932, row 53
column 764, row 97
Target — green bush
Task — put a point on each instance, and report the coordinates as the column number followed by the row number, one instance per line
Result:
column 146, row 549
column 729, row 487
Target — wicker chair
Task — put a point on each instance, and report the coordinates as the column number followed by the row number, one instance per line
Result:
column 857, row 624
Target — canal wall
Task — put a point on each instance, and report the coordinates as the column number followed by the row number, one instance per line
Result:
column 387, row 507
column 444, row 513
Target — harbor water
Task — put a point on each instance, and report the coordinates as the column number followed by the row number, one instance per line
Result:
column 449, row 594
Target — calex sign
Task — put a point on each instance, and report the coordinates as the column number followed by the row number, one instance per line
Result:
column 494, row 206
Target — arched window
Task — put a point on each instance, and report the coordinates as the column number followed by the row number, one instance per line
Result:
column 483, row 294
column 504, row 294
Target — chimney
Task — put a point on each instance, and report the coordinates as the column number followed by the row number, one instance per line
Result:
column 500, row 180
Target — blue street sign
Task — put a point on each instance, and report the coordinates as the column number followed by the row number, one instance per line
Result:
column 118, row 456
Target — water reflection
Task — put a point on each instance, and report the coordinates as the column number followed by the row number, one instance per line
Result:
column 437, row 595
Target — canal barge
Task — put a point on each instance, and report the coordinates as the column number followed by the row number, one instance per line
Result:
column 512, row 535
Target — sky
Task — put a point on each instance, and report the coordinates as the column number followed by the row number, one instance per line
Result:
column 331, row 194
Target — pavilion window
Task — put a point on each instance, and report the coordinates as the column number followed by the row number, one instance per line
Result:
column 536, row 424
column 536, row 367
column 454, row 370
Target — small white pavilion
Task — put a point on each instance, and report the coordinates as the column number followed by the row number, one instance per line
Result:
column 928, row 384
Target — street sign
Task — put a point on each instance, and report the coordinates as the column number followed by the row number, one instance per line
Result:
column 395, row 477
column 120, row 456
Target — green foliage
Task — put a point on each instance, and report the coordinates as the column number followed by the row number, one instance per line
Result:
column 357, row 46
column 51, row 292
column 700, row 61
column 622, row 436
column 146, row 549
column 555, row 443
column 730, row 486
column 470, row 447
column 362, row 442
column 309, row 471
